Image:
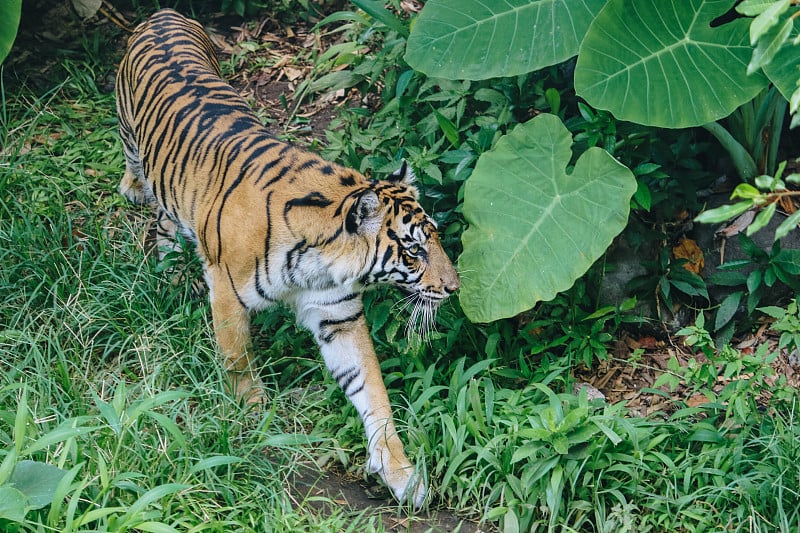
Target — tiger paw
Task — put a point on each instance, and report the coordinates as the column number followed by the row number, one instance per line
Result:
column 132, row 188
column 248, row 388
column 399, row 475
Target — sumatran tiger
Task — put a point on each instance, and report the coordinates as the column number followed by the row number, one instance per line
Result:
column 273, row 223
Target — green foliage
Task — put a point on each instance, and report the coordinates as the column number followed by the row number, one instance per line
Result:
column 777, row 268
column 745, row 376
column 543, row 461
column 787, row 323
column 664, row 277
column 474, row 40
column 764, row 196
column 124, row 395
column 678, row 66
column 681, row 56
column 774, row 32
column 527, row 215
column 671, row 66
column 27, row 485
column 9, row 21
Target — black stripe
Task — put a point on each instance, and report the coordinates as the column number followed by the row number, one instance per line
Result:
column 233, row 286
column 356, row 391
column 312, row 199
column 260, row 289
column 332, row 323
column 346, row 378
column 268, row 235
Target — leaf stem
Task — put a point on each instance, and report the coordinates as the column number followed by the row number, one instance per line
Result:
column 742, row 160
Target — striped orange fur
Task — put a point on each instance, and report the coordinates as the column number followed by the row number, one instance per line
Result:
column 273, row 223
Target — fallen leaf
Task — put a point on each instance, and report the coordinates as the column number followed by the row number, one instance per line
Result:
column 697, row 399
column 787, row 205
column 591, row 392
column 292, row 73
column 688, row 249
column 219, row 42
column 648, row 342
column 87, row 8
column 737, row 226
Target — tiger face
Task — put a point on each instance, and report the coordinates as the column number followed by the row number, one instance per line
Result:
column 409, row 254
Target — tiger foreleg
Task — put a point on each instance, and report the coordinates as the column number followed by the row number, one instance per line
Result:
column 350, row 356
column 232, row 330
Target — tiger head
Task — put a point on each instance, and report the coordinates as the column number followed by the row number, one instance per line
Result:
column 408, row 253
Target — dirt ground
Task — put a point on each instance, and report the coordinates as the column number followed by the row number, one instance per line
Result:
column 635, row 362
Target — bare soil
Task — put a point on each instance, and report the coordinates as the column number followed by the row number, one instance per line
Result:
column 322, row 490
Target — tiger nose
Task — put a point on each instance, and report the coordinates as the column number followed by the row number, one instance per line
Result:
column 451, row 285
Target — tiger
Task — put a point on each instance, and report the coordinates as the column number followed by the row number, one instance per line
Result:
column 274, row 223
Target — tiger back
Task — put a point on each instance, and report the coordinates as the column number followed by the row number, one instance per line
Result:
column 274, row 223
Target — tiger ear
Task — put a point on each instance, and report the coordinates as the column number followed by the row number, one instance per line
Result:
column 365, row 214
column 403, row 174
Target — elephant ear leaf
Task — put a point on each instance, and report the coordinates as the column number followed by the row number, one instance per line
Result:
column 9, row 21
column 785, row 65
column 476, row 39
column 535, row 227
column 670, row 63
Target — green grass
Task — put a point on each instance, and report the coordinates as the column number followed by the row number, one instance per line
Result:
column 109, row 374
column 109, row 368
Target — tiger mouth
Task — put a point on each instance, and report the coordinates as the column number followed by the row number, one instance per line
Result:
column 429, row 299
column 423, row 296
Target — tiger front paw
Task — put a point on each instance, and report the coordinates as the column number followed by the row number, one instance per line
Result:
column 399, row 475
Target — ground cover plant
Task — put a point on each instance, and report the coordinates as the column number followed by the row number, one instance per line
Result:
column 112, row 412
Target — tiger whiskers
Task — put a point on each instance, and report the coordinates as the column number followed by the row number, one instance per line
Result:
column 422, row 320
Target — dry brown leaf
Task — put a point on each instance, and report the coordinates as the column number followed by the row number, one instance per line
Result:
column 697, row 399
column 738, row 225
column 219, row 42
column 48, row 139
column 787, row 205
column 688, row 249
column 282, row 62
column 292, row 73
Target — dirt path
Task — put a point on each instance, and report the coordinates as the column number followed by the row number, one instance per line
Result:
column 321, row 490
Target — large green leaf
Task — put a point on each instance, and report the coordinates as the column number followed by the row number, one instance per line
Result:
column 13, row 504
column 37, row 481
column 534, row 228
column 784, row 69
column 9, row 21
column 663, row 62
column 478, row 39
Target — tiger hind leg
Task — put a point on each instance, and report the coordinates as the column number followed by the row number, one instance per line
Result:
column 168, row 243
column 232, row 330
column 133, row 185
